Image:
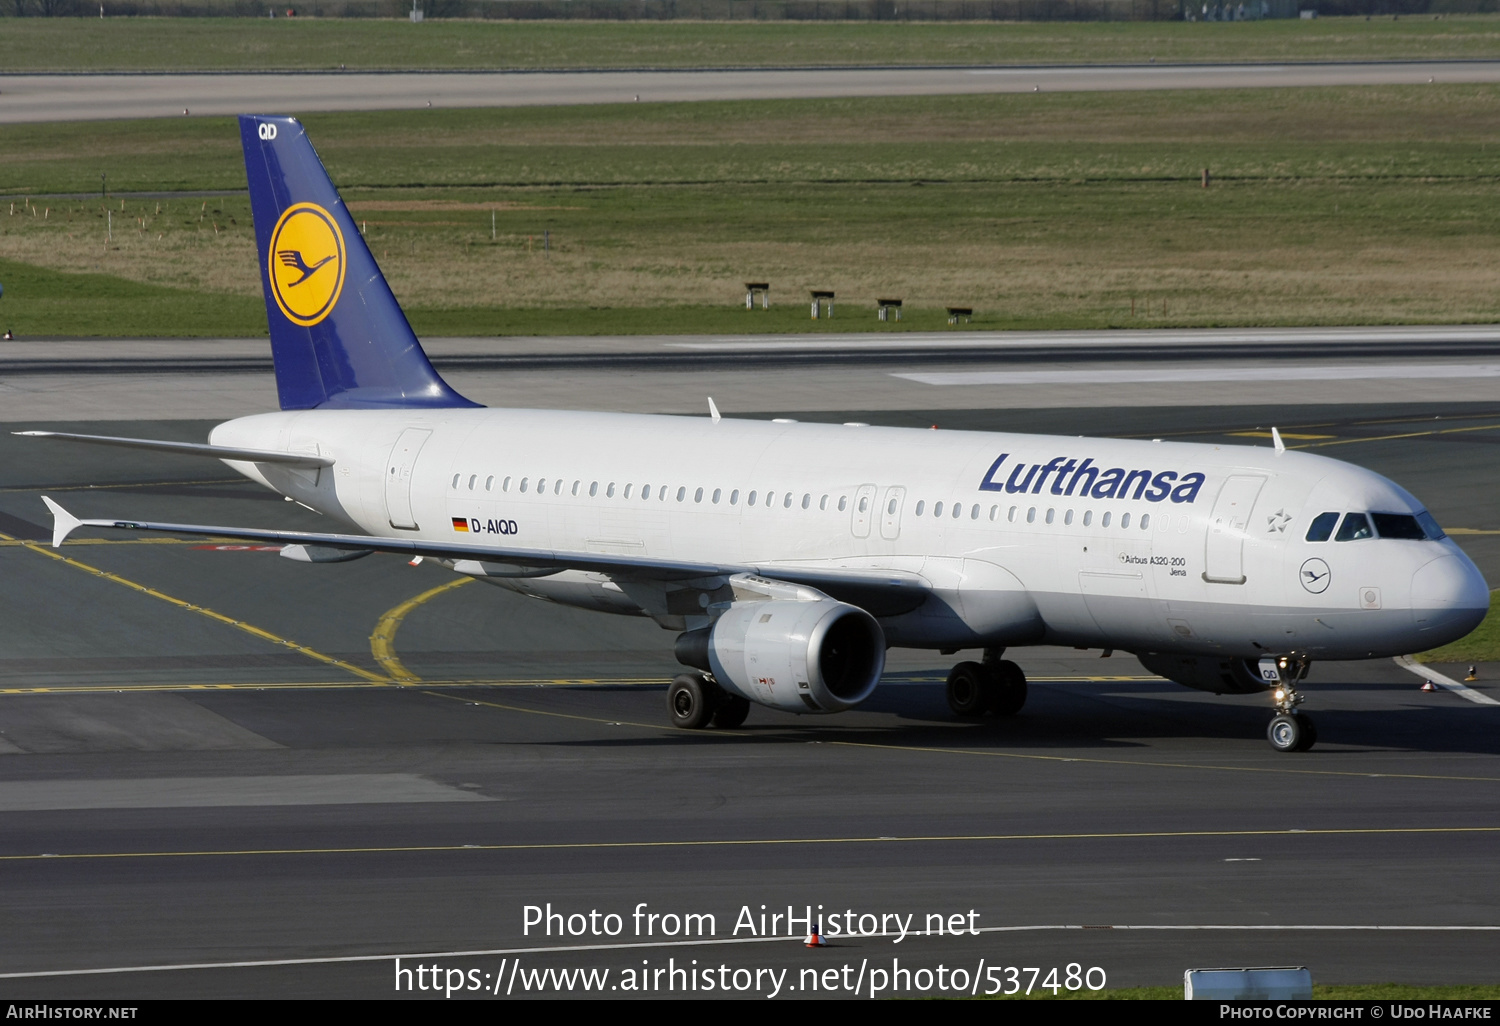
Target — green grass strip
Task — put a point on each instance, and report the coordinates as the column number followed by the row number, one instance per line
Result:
column 263, row 44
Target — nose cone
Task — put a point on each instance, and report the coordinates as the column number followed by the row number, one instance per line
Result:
column 1448, row 599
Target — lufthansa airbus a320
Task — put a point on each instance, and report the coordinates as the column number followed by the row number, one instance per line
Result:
column 789, row 557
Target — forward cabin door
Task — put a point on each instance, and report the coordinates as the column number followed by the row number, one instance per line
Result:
column 398, row 477
column 1224, row 558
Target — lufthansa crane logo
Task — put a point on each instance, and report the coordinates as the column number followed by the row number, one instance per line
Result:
column 1314, row 576
column 306, row 263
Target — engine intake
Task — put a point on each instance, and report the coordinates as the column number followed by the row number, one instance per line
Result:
column 818, row 656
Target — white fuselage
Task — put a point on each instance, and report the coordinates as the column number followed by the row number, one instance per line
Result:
column 1136, row 545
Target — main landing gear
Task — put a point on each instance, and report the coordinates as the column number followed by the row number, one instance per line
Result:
column 694, row 700
column 995, row 687
column 1290, row 730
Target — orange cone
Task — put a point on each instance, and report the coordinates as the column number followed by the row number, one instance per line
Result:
column 815, row 939
column 1428, row 685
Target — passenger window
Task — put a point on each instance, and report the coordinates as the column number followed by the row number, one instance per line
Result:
column 575, row 486
column 864, row 504
column 1011, row 516
column 1105, row 521
column 718, row 494
column 698, row 495
column 1088, row 517
column 455, row 479
column 489, row 483
column 770, row 499
column 958, row 510
column 1398, row 525
column 937, row 509
column 750, row 500
column 1321, row 529
column 1068, row 518
column 734, row 497
column 541, row 486
column 890, row 507
column 921, row 505
column 609, row 493
column 505, row 485
column 806, row 500
column 1031, row 515
column 843, row 502
column 1051, row 514
column 645, row 491
column 974, row 512
column 1145, row 521
column 593, row 488
column 994, row 512
column 1124, row 520
column 823, row 503
column 681, row 492
column 786, row 501
column 473, row 478
column 627, row 489
column 1355, row 527
column 524, row 480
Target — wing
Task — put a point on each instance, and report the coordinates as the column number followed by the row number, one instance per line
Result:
column 881, row 592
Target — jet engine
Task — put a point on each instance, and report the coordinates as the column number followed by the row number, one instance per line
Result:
column 1222, row 676
column 818, row 656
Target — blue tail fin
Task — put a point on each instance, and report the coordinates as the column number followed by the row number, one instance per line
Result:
column 338, row 337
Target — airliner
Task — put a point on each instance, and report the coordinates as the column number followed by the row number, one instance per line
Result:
column 788, row 557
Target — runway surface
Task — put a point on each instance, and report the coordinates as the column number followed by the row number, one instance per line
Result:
column 209, row 759
column 34, row 98
column 109, row 379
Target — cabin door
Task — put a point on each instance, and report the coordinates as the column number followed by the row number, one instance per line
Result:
column 398, row 477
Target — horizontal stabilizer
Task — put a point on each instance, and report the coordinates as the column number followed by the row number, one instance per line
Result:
column 63, row 522
column 218, row 452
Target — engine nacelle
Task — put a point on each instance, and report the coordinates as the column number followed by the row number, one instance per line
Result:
column 1222, row 676
column 817, row 656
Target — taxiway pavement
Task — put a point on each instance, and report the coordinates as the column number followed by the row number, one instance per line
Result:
column 92, row 97
column 206, row 758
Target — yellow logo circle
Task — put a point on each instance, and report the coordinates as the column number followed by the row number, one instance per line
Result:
column 307, row 263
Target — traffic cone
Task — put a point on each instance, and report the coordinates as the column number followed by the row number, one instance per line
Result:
column 1473, row 676
column 1428, row 685
column 815, row 939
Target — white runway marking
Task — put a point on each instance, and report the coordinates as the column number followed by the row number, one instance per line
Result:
column 721, row 941
column 1446, row 683
column 1147, row 375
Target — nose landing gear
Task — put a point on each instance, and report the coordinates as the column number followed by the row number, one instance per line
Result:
column 1289, row 730
column 995, row 687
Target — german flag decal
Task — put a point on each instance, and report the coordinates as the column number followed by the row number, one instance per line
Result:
column 460, row 524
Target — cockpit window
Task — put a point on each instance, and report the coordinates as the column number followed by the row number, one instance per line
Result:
column 1321, row 528
column 1398, row 525
column 1430, row 525
column 1355, row 527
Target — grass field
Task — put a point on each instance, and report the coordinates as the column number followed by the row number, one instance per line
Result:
column 223, row 44
column 1327, row 206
